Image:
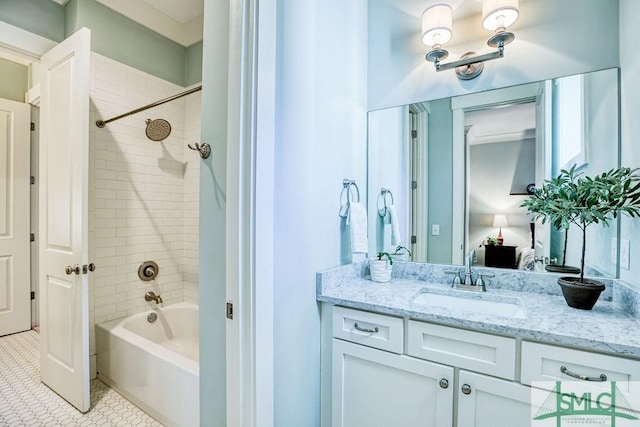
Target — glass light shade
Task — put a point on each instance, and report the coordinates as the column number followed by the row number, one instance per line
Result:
column 437, row 21
column 499, row 14
column 499, row 220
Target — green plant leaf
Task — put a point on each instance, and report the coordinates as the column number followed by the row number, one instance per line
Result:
column 571, row 198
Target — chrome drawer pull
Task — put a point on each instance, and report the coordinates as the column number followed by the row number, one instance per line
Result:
column 369, row 331
column 565, row 371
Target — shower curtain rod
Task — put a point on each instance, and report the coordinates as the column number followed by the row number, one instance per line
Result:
column 102, row 123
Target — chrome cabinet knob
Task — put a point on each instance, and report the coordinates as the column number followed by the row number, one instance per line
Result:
column 466, row 389
column 444, row 383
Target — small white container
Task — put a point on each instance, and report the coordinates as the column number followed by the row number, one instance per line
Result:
column 380, row 270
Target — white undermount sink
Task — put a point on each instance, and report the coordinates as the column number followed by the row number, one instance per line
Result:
column 480, row 304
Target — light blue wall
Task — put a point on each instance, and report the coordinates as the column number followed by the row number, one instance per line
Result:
column 213, row 174
column 193, row 64
column 553, row 38
column 13, row 80
column 630, row 127
column 320, row 139
column 440, row 177
column 119, row 38
column 42, row 17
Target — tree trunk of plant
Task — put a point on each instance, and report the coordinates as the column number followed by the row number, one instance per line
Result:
column 584, row 246
column 564, row 251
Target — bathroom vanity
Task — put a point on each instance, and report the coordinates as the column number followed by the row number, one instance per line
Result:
column 414, row 352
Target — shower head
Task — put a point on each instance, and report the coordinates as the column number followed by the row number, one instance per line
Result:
column 157, row 129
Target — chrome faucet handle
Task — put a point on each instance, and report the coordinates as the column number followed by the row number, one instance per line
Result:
column 457, row 280
column 481, row 282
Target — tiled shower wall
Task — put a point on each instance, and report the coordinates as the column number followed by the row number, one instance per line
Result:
column 143, row 202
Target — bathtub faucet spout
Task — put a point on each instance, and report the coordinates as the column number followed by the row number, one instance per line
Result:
column 151, row 296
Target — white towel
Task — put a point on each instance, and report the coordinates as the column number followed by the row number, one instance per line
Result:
column 357, row 222
column 395, row 227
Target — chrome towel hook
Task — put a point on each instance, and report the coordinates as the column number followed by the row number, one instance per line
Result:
column 204, row 149
column 346, row 188
column 383, row 195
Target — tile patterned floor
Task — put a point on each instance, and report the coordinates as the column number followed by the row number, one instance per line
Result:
column 25, row 401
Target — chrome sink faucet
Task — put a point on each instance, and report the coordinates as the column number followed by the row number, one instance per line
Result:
column 468, row 283
column 151, row 296
column 468, row 274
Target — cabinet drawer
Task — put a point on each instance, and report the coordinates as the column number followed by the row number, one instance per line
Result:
column 475, row 351
column 371, row 329
column 543, row 362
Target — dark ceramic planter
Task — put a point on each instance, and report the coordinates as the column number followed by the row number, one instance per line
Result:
column 581, row 295
column 552, row 268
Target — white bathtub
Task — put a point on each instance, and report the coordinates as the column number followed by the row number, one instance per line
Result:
column 154, row 365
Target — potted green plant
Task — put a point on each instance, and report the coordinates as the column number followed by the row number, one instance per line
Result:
column 489, row 241
column 572, row 198
column 401, row 254
column 380, row 268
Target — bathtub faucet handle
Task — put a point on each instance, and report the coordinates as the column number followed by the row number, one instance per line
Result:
column 151, row 296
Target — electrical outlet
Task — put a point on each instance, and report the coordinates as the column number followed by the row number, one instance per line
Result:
column 614, row 250
column 624, row 253
column 435, row 230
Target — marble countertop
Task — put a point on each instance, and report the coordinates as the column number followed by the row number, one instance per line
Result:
column 611, row 326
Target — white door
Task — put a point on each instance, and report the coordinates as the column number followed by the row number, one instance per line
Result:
column 63, row 224
column 543, row 169
column 15, row 282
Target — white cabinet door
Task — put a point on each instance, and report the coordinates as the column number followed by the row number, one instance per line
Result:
column 374, row 388
column 485, row 401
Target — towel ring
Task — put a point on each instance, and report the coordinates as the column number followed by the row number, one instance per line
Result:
column 383, row 195
column 346, row 188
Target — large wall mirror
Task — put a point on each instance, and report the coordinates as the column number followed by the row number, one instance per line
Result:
column 458, row 169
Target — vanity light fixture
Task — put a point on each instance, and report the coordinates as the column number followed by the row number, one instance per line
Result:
column 497, row 16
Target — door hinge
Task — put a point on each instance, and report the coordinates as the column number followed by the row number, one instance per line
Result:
column 33, row 126
column 414, row 133
column 414, row 185
column 33, row 295
column 230, row 310
column 33, row 237
column 414, row 240
column 33, row 180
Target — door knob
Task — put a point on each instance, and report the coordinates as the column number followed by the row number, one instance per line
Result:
column 74, row 269
column 90, row 267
